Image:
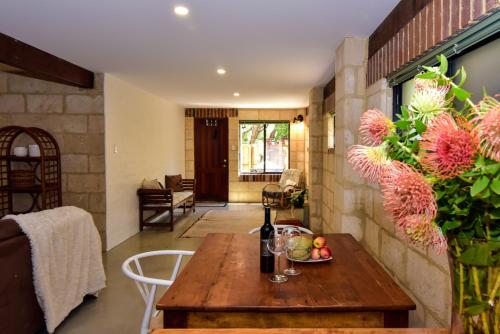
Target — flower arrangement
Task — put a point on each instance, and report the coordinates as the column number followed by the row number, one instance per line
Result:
column 438, row 168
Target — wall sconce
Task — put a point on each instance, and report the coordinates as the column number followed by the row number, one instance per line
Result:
column 298, row 119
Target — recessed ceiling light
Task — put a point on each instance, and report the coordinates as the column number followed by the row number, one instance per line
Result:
column 181, row 10
column 236, row 94
column 221, row 71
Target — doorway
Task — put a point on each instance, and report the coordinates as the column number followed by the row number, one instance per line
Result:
column 211, row 159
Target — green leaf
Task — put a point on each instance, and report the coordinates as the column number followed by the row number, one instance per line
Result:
column 479, row 185
column 450, row 225
column 392, row 139
column 440, row 194
column 463, row 77
column 476, row 309
column 494, row 245
column 429, row 68
column 495, row 186
column 479, row 162
column 492, row 168
column 477, row 255
column 460, row 93
column 405, row 112
column 420, row 126
column 495, row 214
column 495, row 200
column 403, row 125
column 484, row 194
column 427, row 75
column 443, row 67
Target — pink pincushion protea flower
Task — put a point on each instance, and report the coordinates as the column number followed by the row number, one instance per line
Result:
column 406, row 192
column 374, row 127
column 487, row 128
column 370, row 162
column 420, row 231
column 446, row 149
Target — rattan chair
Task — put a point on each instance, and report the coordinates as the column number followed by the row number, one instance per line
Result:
column 278, row 194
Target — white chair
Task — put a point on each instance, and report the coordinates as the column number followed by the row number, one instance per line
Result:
column 280, row 227
column 147, row 285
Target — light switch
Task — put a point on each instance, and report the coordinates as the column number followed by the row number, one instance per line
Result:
column 115, row 149
column 233, row 147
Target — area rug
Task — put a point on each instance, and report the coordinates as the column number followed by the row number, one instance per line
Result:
column 227, row 221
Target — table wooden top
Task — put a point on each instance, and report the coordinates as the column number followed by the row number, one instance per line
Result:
column 305, row 331
column 224, row 275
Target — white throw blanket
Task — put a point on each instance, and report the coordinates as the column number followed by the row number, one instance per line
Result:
column 66, row 256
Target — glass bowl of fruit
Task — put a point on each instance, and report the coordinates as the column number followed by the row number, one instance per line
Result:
column 311, row 249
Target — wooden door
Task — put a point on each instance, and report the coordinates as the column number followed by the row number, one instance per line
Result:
column 211, row 159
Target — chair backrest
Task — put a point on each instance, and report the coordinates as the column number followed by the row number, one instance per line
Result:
column 292, row 176
column 147, row 285
column 280, row 227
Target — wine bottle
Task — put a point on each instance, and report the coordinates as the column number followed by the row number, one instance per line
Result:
column 266, row 257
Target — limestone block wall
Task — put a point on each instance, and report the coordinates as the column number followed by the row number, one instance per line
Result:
column 247, row 191
column 357, row 206
column 328, row 170
column 315, row 161
column 350, row 73
column 76, row 119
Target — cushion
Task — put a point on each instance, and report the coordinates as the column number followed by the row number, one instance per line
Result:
column 174, row 182
column 290, row 175
column 151, row 184
column 181, row 196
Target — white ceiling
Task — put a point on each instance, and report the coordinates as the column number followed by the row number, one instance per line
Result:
column 274, row 51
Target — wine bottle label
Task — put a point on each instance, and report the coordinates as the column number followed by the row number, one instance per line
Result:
column 264, row 251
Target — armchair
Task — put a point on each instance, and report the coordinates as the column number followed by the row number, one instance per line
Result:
column 278, row 194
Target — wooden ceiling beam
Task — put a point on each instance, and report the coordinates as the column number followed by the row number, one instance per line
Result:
column 39, row 64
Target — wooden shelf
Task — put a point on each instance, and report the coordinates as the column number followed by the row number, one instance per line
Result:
column 46, row 192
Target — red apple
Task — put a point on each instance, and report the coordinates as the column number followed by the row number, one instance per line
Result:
column 315, row 255
column 325, row 252
column 319, row 242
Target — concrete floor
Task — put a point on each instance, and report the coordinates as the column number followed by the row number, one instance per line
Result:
column 119, row 308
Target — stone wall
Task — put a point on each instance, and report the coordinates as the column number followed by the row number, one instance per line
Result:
column 357, row 206
column 315, row 161
column 247, row 191
column 328, row 162
column 76, row 119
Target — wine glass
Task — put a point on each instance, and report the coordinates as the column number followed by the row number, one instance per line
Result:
column 292, row 235
column 277, row 245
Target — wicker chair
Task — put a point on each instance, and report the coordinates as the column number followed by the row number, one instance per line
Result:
column 278, row 194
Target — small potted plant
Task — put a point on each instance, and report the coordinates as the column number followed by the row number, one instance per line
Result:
column 297, row 200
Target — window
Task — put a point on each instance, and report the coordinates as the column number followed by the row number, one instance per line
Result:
column 264, row 147
column 478, row 61
column 331, row 130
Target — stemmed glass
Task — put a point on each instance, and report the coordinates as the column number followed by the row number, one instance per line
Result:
column 292, row 235
column 277, row 245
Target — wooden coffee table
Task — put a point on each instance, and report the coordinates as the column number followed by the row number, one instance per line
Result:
column 222, row 287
